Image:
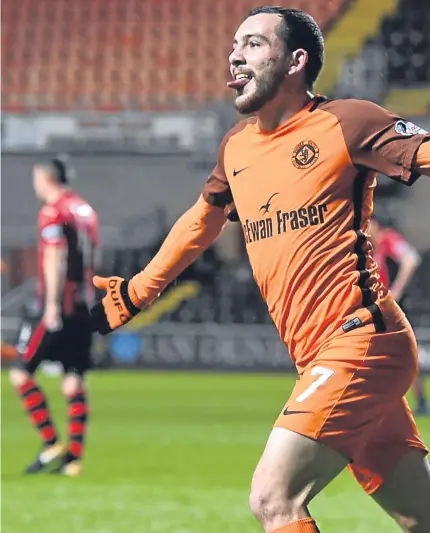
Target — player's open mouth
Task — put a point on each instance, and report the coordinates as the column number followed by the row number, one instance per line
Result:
column 240, row 80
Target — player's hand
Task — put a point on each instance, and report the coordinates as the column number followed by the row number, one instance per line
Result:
column 116, row 308
column 52, row 317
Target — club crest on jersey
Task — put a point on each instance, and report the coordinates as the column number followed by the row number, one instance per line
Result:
column 408, row 128
column 305, row 154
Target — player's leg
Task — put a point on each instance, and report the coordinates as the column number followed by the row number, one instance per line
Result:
column 392, row 467
column 33, row 349
column 296, row 465
column 405, row 493
column 76, row 361
column 73, row 388
column 422, row 407
column 291, row 472
column 338, row 401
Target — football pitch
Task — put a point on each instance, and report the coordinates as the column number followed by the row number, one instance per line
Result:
column 167, row 453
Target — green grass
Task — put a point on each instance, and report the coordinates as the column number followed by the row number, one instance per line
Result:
column 167, row 453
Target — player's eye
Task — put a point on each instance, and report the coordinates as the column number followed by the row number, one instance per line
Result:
column 254, row 44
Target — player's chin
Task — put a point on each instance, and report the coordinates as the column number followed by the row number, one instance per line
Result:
column 245, row 104
column 243, row 100
column 242, row 95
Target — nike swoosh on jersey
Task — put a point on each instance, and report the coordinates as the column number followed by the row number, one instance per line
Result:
column 287, row 412
column 236, row 172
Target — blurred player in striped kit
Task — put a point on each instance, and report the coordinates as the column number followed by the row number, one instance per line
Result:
column 61, row 330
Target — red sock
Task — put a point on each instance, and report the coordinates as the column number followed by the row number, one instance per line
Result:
column 78, row 415
column 35, row 404
column 306, row 525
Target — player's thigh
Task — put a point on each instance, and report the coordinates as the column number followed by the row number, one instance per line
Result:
column 292, row 470
column 341, row 396
column 35, row 344
column 334, row 404
column 393, row 436
column 76, row 344
column 405, row 492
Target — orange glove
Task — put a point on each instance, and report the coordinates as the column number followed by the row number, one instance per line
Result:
column 117, row 308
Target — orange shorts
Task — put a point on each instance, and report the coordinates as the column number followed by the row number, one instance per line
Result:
column 351, row 397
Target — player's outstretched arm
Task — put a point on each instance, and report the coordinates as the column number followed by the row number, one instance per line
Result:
column 194, row 231
column 381, row 141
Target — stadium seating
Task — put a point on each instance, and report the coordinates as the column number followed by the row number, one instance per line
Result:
column 406, row 37
column 393, row 66
column 360, row 22
column 116, row 54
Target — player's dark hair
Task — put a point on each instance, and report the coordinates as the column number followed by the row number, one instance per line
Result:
column 61, row 169
column 298, row 30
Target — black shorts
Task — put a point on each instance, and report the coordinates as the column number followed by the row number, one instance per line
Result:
column 71, row 346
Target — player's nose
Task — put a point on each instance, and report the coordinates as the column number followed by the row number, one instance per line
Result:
column 236, row 58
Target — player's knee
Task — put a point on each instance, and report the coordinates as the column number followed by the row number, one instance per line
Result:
column 268, row 503
column 18, row 377
column 414, row 524
column 417, row 518
column 72, row 384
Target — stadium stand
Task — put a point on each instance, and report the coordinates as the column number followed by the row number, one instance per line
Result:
column 116, row 54
column 389, row 64
column 345, row 42
column 406, row 39
column 405, row 36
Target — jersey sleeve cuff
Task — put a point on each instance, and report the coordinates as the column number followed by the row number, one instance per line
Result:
column 409, row 174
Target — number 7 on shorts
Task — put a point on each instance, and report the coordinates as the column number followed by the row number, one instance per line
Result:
column 324, row 375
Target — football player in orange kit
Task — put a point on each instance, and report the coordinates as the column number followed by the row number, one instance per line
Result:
column 300, row 176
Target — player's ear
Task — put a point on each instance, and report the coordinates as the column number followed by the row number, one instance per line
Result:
column 298, row 61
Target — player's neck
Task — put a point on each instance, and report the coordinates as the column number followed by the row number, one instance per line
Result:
column 54, row 194
column 281, row 109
